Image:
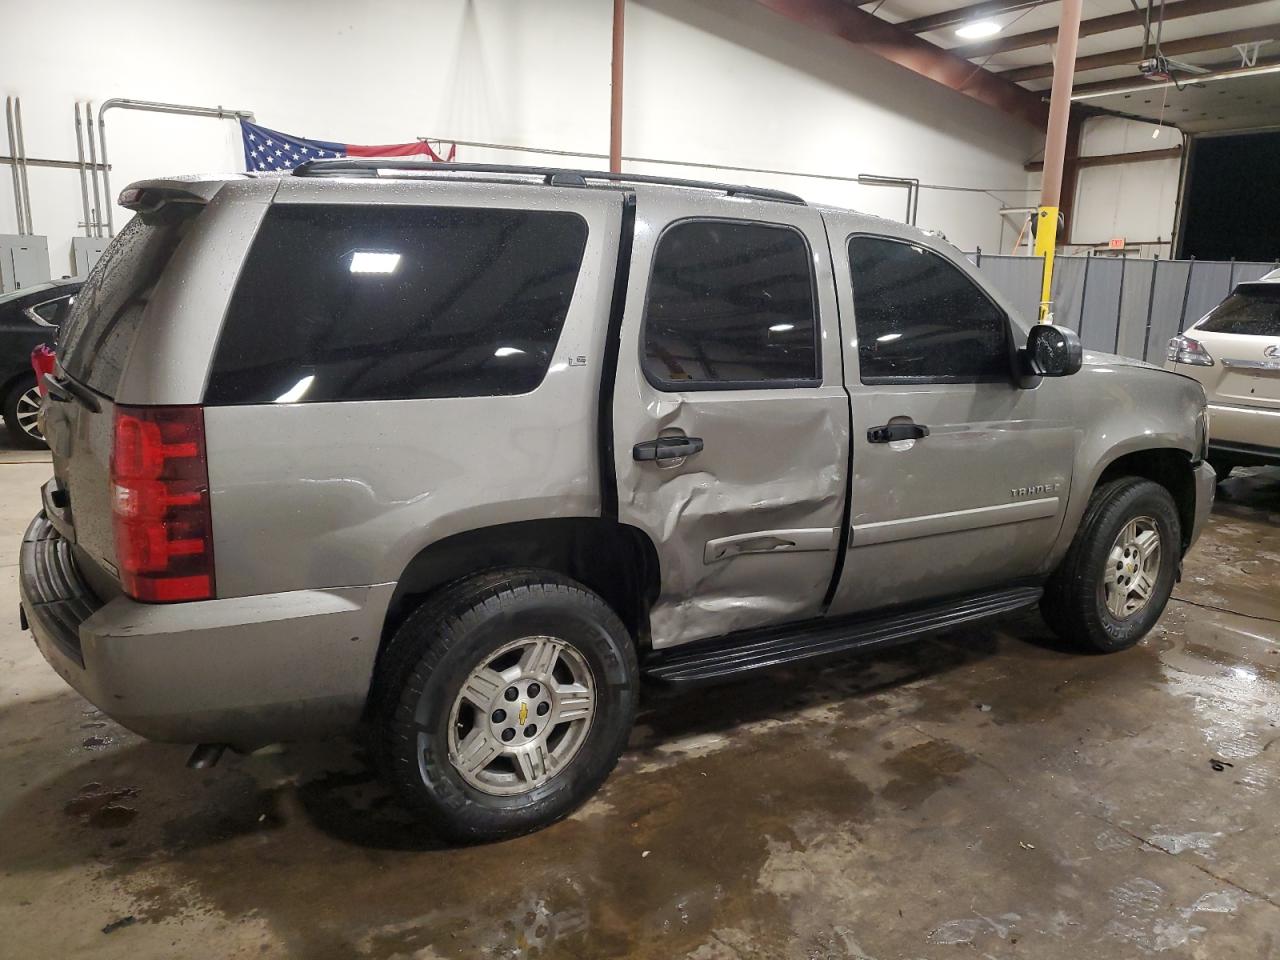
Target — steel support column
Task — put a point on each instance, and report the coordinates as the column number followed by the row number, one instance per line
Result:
column 1055, row 149
column 615, row 87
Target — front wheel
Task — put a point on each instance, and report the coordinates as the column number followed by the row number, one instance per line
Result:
column 1118, row 574
column 504, row 702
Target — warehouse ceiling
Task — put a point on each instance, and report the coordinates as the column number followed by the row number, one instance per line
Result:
column 1200, row 38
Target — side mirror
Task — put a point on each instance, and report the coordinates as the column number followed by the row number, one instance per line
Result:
column 1052, row 351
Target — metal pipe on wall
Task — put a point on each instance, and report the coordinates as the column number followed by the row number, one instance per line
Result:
column 84, row 173
column 912, row 186
column 13, row 152
column 150, row 106
column 615, row 87
column 22, row 164
column 93, row 161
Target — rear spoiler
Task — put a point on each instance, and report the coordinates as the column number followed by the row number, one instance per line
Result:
column 147, row 196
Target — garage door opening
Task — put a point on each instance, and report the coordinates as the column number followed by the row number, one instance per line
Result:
column 1228, row 213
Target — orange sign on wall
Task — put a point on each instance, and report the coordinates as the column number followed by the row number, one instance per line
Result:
column 1115, row 243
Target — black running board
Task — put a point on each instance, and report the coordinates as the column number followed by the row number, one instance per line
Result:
column 733, row 655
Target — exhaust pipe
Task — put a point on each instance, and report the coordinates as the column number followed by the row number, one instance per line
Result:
column 205, row 755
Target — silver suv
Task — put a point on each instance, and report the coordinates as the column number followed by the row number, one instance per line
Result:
column 458, row 455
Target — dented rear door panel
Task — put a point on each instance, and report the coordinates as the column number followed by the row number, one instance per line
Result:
column 747, row 529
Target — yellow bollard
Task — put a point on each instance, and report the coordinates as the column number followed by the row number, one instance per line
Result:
column 1046, row 241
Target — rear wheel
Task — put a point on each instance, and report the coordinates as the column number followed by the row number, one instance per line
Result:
column 1118, row 574
column 21, row 410
column 504, row 702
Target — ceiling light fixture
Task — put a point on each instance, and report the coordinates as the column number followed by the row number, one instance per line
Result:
column 1197, row 80
column 978, row 29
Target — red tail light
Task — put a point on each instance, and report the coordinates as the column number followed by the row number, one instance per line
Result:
column 160, row 503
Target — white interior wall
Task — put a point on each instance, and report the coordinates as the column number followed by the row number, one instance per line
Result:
column 1135, row 201
column 716, row 81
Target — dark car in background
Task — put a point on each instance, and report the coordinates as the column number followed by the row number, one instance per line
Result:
column 28, row 318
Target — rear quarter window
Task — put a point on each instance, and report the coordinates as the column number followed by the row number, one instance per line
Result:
column 100, row 328
column 346, row 302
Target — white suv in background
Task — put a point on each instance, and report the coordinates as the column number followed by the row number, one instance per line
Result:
column 1234, row 351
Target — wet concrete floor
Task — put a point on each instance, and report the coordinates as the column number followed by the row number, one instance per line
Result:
column 986, row 793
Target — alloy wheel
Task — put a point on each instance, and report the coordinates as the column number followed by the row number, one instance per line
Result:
column 521, row 716
column 28, row 409
column 1132, row 568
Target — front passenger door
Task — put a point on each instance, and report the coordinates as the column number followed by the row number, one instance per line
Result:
column 960, row 478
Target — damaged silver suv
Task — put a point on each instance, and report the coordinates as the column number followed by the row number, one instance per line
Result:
column 460, row 454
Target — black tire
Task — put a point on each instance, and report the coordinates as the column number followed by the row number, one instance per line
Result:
column 17, row 436
column 432, row 655
column 1074, row 605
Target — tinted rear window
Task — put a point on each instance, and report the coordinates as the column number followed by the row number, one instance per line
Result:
column 731, row 305
column 94, row 342
column 1253, row 310
column 346, row 302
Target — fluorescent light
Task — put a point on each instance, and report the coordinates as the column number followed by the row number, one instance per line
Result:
column 507, row 351
column 294, row 393
column 782, row 327
column 371, row 261
column 978, row 29
column 1144, row 85
column 888, row 338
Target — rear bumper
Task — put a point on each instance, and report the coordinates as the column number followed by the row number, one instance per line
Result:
column 1206, row 488
column 1244, row 428
column 245, row 671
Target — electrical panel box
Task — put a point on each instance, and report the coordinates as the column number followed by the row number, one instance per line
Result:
column 24, row 261
column 85, row 252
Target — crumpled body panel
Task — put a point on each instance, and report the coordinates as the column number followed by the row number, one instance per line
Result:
column 747, row 530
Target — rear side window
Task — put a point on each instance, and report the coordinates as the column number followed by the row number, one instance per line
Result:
column 1253, row 310
column 341, row 302
column 920, row 319
column 94, row 342
column 731, row 305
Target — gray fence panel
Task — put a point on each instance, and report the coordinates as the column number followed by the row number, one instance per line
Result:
column 1130, row 306
column 1135, row 297
column 1248, row 270
column 1018, row 280
column 1100, row 301
column 1210, row 284
column 1068, row 284
column 1166, row 307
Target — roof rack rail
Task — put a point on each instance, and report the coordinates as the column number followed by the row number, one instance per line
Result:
column 553, row 176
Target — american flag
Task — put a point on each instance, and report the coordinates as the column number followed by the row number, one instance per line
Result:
column 266, row 149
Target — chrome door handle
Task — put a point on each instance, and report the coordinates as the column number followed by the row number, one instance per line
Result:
column 666, row 448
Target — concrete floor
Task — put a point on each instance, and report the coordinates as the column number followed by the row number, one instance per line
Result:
column 983, row 794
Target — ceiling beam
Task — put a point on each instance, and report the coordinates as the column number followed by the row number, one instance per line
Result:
column 975, row 11
column 1091, row 28
column 892, row 43
column 1131, row 55
column 1113, row 159
column 1128, row 83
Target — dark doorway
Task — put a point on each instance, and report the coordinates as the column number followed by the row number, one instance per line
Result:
column 1231, row 201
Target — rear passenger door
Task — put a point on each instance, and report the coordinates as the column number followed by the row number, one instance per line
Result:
column 731, row 423
column 960, row 477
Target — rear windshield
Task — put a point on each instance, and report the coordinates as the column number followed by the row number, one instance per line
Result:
column 95, row 340
column 1253, row 310
column 345, row 302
